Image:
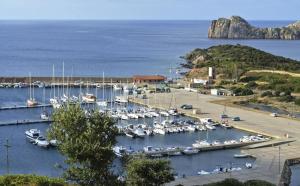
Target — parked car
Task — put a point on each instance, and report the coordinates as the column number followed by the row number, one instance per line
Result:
column 236, row 118
column 223, row 116
column 185, row 106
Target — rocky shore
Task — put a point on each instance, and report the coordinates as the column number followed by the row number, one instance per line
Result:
column 238, row 28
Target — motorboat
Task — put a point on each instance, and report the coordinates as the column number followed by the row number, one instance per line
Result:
column 139, row 132
column 32, row 134
column 190, row 150
column 89, row 98
column 241, row 155
column 210, row 127
column 248, row 165
column 133, row 116
column 53, row 143
column 191, row 128
column 45, row 116
column 159, row 131
column 202, row 172
column 274, row 114
column 129, row 133
column 164, row 113
column 200, row 144
column 124, row 117
column 117, row 87
column 119, row 151
column 121, row 99
column 41, row 141
column 154, row 114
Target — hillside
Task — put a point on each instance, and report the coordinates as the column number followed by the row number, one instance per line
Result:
column 229, row 59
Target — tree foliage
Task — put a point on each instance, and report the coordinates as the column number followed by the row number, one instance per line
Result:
column 31, row 180
column 87, row 143
column 148, row 172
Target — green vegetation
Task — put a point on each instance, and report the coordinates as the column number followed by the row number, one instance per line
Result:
column 234, row 60
column 234, row 182
column 87, row 143
column 31, row 180
column 148, row 172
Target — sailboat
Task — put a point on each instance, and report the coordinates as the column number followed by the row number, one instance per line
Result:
column 31, row 102
column 54, row 100
column 44, row 114
column 102, row 102
column 89, row 97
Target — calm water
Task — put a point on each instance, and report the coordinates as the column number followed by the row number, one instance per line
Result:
column 295, row 179
column 90, row 47
column 27, row 158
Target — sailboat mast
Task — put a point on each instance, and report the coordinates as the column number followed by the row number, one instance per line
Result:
column 111, row 94
column 103, row 85
column 63, row 72
column 53, row 79
column 30, row 96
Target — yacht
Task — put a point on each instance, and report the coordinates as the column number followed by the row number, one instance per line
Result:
column 32, row 134
column 200, row 144
column 102, row 103
column 159, row 131
column 190, row 150
column 248, row 165
column 119, row 151
column 117, row 87
column 41, row 141
column 32, row 102
column 89, row 98
column 202, row 172
column 139, row 132
column 53, row 143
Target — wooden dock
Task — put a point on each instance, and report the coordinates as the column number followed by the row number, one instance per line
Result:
column 23, row 122
column 24, row 107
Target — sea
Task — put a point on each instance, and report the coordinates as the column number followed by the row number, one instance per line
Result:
column 119, row 49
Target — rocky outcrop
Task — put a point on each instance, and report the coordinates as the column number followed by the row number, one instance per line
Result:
column 238, row 28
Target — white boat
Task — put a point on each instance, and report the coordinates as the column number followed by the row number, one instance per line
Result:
column 191, row 128
column 154, row 114
column 210, row 127
column 129, row 133
column 121, row 99
column 32, row 102
column 53, row 143
column 117, row 87
column 89, row 98
column 132, row 116
column 41, row 141
column 124, row 117
column 216, row 142
column 102, row 103
column 248, row 165
column 200, row 144
column 274, row 114
column 164, row 113
column 159, row 131
column 202, row 172
column 45, row 115
column 139, row 132
column 190, row 150
column 32, row 134
column 241, row 155
column 119, row 151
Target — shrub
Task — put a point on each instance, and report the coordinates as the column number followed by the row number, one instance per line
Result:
column 267, row 93
column 297, row 101
column 31, row 180
column 286, row 98
column 251, row 84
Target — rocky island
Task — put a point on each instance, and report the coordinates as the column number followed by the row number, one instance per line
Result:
column 238, row 28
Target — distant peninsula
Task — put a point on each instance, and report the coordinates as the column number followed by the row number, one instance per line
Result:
column 238, row 28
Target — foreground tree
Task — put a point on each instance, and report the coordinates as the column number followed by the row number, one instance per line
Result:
column 148, row 172
column 86, row 143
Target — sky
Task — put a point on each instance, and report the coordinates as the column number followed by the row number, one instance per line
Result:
column 149, row 9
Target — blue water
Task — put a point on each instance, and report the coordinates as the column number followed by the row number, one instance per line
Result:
column 117, row 47
column 295, row 180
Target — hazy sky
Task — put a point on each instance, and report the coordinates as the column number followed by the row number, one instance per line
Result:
column 149, row 9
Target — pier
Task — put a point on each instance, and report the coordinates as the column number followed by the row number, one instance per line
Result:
column 166, row 152
column 25, row 107
column 23, row 122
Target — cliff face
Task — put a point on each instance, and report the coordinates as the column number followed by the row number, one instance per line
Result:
column 238, row 28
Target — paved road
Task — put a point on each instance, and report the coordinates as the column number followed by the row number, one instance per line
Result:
column 268, row 165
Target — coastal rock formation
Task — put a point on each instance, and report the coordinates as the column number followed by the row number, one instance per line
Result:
column 238, row 28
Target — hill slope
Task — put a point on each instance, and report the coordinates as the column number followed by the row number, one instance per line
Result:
column 229, row 58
